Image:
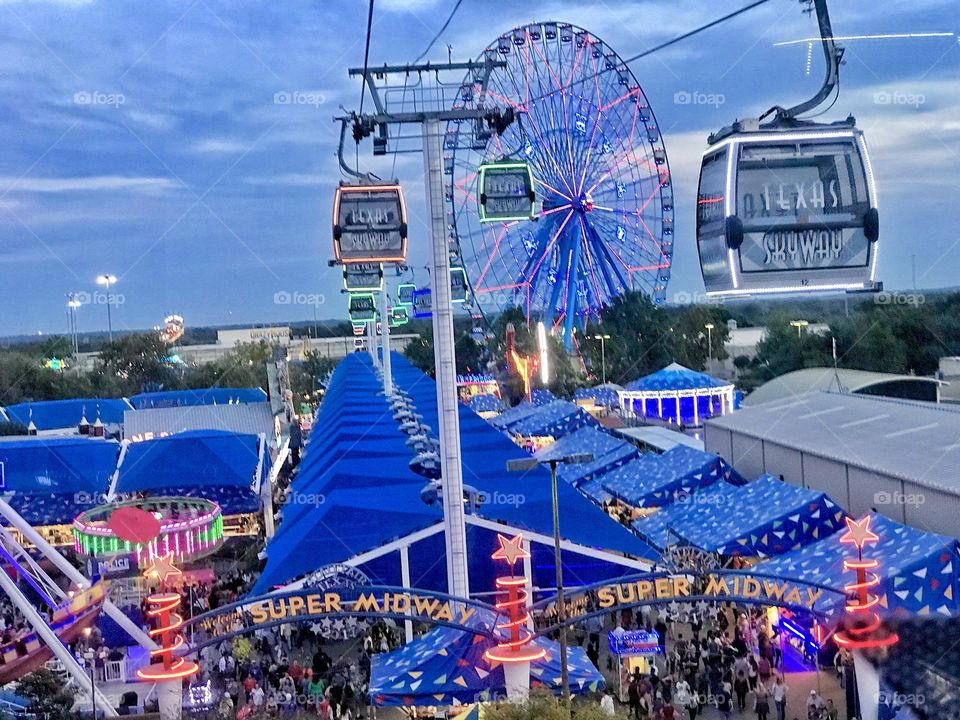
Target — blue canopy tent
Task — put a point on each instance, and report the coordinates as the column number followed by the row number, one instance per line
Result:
column 221, row 466
column 205, row 396
column 763, row 518
column 679, row 395
column 658, row 480
column 919, row 571
column 61, row 414
column 513, row 415
column 50, row 481
column 608, row 452
column 540, row 397
column 485, row 403
column 603, row 395
column 556, row 419
column 447, row 666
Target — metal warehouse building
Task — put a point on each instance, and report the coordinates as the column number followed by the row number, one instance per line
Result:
column 899, row 457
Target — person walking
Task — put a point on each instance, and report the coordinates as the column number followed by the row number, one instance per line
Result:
column 761, row 701
column 633, row 697
column 740, row 687
column 779, row 694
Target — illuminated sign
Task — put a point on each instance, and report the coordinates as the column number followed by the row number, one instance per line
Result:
column 363, row 276
column 363, row 308
column 637, row 642
column 369, row 224
column 422, row 303
column 506, row 192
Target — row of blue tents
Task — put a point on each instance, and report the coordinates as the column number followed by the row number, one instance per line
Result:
column 50, row 480
column 689, row 497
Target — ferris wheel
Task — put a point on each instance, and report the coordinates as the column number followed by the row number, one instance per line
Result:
column 603, row 213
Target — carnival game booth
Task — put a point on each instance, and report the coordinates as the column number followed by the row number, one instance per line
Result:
column 764, row 518
column 226, row 468
column 447, row 666
column 919, row 571
column 678, row 395
column 49, row 481
column 80, row 414
column 653, row 481
column 376, row 517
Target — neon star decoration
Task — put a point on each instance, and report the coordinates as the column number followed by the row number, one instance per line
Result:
column 163, row 607
column 861, row 627
column 162, row 569
column 514, row 646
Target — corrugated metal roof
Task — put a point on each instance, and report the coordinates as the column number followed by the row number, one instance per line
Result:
column 915, row 441
column 243, row 418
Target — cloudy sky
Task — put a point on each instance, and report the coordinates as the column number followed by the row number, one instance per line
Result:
column 143, row 139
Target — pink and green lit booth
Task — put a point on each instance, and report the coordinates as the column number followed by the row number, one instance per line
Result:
column 190, row 528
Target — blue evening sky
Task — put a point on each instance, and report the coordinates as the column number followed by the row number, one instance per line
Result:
column 142, row 138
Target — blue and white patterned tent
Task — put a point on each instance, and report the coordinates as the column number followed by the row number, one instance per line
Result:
column 679, row 395
column 192, row 398
column 919, row 571
column 485, row 403
column 766, row 517
column 447, row 666
column 658, row 480
column 557, row 419
column 509, row 418
column 604, row 395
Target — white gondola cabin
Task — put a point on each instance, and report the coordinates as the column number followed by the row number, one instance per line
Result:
column 360, row 277
column 369, row 224
column 506, row 192
column 789, row 210
column 362, row 308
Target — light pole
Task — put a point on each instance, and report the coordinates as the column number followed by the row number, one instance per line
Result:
column 603, row 354
column 72, row 306
column 107, row 279
column 799, row 325
column 522, row 465
column 709, row 327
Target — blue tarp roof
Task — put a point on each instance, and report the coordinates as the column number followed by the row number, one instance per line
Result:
column 657, row 480
column 447, row 665
column 513, row 415
column 52, row 480
column 763, row 518
column 919, row 571
column 59, row 414
column 354, row 490
column 205, row 396
column 212, row 464
column 676, row 377
column 557, row 418
column 605, row 395
column 485, row 403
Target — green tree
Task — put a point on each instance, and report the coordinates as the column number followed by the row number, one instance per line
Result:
column 47, row 694
column 641, row 338
column 133, row 361
column 243, row 366
column 690, row 335
column 543, row 706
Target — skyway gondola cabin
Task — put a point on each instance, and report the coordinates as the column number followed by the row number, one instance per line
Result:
column 506, row 192
column 369, row 224
column 787, row 205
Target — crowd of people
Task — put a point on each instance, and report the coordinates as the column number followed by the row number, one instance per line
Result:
column 727, row 659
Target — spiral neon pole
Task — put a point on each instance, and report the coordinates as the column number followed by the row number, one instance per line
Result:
column 166, row 631
column 862, row 627
column 514, row 645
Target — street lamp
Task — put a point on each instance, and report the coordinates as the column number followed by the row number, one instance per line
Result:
column 603, row 354
column 108, row 280
column 709, row 327
column 72, row 306
column 799, row 325
column 523, row 465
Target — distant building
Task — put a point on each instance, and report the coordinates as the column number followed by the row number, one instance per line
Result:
column 860, row 382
